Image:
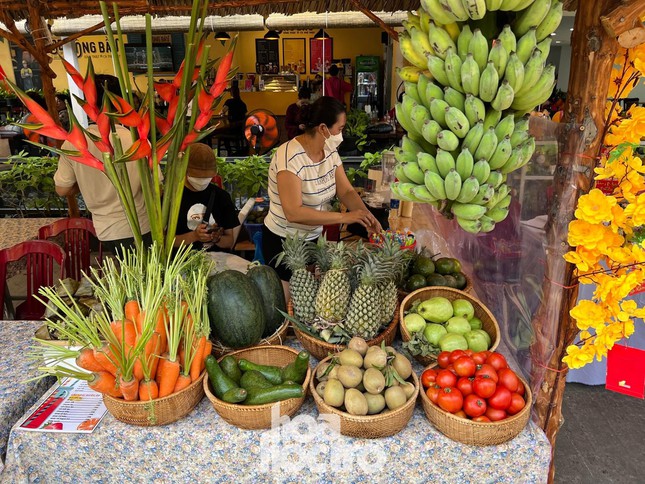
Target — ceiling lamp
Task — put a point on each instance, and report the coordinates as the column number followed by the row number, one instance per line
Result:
column 222, row 36
column 272, row 35
column 321, row 34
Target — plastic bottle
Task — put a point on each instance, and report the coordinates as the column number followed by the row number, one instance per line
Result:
column 393, row 218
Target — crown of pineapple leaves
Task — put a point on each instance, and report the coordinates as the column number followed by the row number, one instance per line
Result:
column 371, row 270
column 296, row 253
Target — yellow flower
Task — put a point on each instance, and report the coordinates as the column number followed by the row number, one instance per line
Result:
column 584, row 259
column 578, row 357
column 636, row 211
column 585, row 234
column 588, row 314
column 595, row 207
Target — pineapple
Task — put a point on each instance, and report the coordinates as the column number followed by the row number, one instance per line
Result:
column 322, row 255
column 392, row 259
column 302, row 285
column 335, row 290
column 365, row 309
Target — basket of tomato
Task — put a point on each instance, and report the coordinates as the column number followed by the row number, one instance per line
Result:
column 475, row 398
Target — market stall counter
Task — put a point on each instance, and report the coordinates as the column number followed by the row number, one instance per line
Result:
column 202, row 447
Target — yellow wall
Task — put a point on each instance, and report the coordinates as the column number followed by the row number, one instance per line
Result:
column 5, row 59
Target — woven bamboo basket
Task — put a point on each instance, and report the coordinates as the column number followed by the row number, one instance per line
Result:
column 321, row 349
column 253, row 417
column 277, row 338
column 489, row 323
column 161, row 411
column 478, row 433
column 469, row 288
column 384, row 424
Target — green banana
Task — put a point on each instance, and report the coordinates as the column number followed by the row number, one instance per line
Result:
column 421, row 41
column 481, row 171
column 487, row 145
column 445, row 162
column 495, row 179
column 413, row 172
column 396, row 193
column 409, row 52
column 471, row 226
column 502, row 153
column 438, row 111
column 456, row 8
column 531, row 17
column 454, row 98
column 476, row 9
column 504, row 202
column 493, row 5
column 492, row 119
column 519, row 137
column 408, row 104
column 528, row 148
column 440, row 41
column 498, row 55
column 436, row 10
column 551, row 21
column 500, row 193
column 418, row 115
column 485, row 193
column 488, row 83
column 409, row 73
column 463, row 41
column 514, row 162
column 453, row 30
column 398, row 173
column 403, row 118
column 434, row 184
column 447, row 140
column 422, row 89
column 545, row 48
column 411, row 90
column 437, row 69
column 508, row 39
column 540, row 92
column 433, row 92
column 468, row 211
column 474, row 136
column 404, row 156
column 469, row 190
column 424, row 20
column 488, row 224
column 430, row 131
column 478, row 47
column 504, row 97
column 452, row 185
column 452, row 67
column 457, row 123
column 405, row 190
column 422, row 193
column 522, row 5
column 420, row 140
column 508, row 5
column 427, row 162
column 522, row 124
column 464, row 164
column 413, row 20
column 532, row 72
column 505, row 127
column 525, row 46
column 410, row 146
column 497, row 214
column 514, row 72
column 470, row 75
column 474, row 109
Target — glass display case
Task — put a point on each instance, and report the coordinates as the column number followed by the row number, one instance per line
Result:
column 286, row 82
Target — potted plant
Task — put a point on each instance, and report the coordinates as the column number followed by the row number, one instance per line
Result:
column 247, row 178
column 355, row 133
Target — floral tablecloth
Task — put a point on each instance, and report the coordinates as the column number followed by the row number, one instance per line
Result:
column 16, row 397
column 203, row 448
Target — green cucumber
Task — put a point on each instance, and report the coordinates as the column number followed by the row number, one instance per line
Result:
column 277, row 393
column 271, row 373
column 254, row 379
column 297, row 371
column 219, row 381
column 230, row 368
column 235, row 395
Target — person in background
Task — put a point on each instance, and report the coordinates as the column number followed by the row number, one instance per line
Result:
column 61, row 106
column 305, row 174
column 234, row 108
column 201, row 196
column 100, row 196
column 316, row 89
column 335, row 85
column 292, row 121
column 27, row 76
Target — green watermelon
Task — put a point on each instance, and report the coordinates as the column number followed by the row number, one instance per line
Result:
column 268, row 282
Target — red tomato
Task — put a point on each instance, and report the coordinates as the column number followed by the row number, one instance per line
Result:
column 483, row 418
column 446, row 378
column 484, row 387
column 508, row 379
column 427, row 377
column 455, row 355
column 517, row 404
column 451, row 368
column 494, row 415
column 497, row 361
column 487, row 353
column 501, row 399
column 465, row 366
column 465, row 385
column 487, row 370
column 520, row 389
column 474, row 406
column 450, row 399
column 443, row 359
column 433, row 392
column 479, row 358
column 460, row 414
column 469, row 353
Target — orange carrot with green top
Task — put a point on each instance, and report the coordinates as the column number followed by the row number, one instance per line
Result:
column 87, row 360
column 131, row 311
column 105, row 358
column 125, row 332
column 183, row 381
column 148, row 390
column 104, row 382
column 129, row 389
column 167, row 376
column 198, row 359
column 208, row 349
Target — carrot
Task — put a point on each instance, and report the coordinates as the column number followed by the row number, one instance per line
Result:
column 101, row 356
column 195, row 367
column 130, row 389
column 148, row 390
column 167, row 376
column 208, row 349
column 104, row 382
column 87, row 360
column 125, row 332
column 183, row 381
column 182, row 354
column 138, row 322
column 160, row 327
column 131, row 310
column 137, row 371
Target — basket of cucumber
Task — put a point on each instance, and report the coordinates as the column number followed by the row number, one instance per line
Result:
column 277, row 338
column 244, row 385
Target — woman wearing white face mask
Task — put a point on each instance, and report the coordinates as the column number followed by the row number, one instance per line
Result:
column 306, row 173
column 201, row 197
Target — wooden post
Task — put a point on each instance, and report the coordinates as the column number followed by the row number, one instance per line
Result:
column 37, row 23
column 593, row 50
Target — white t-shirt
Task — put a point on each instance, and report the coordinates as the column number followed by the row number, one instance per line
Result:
column 318, row 187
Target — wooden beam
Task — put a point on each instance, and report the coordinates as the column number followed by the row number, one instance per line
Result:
column 377, row 20
column 47, row 76
column 624, row 23
column 70, row 38
column 17, row 38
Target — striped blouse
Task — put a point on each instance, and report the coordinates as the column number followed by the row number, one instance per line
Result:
column 318, row 186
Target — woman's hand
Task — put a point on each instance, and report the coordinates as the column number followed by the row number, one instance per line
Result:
column 363, row 217
column 201, row 234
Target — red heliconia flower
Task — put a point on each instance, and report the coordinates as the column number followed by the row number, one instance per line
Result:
column 76, row 136
column 162, row 125
column 189, row 139
column 204, row 100
column 166, row 90
column 127, row 116
column 162, row 149
column 222, row 74
column 3, row 74
column 73, row 73
column 172, row 110
column 203, row 119
column 140, row 149
column 89, row 85
column 143, row 129
column 103, row 123
column 88, row 159
column 91, row 111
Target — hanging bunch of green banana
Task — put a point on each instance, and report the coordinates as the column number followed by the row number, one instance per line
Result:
column 477, row 68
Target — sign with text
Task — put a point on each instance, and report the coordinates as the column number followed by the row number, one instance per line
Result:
column 626, row 371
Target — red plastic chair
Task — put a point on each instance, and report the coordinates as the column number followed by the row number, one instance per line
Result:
column 41, row 256
column 77, row 232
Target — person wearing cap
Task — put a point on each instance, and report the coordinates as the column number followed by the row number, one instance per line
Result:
column 201, row 196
